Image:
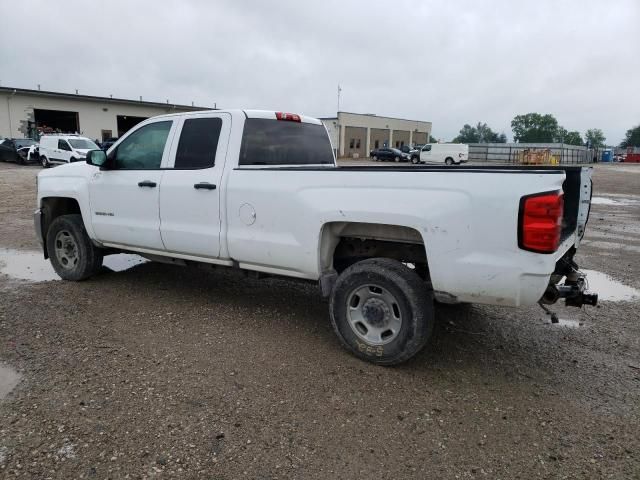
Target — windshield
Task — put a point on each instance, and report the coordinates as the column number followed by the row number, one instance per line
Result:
column 25, row 143
column 275, row 142
column 83, row 144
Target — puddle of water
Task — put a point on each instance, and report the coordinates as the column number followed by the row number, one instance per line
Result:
column 122, row 261
column 563, row 322
column 31, row 266
column 613, row 202
column 9, row 378
column 609, row 289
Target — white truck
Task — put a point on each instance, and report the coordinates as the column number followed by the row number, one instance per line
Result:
column 260, row 191
column 447, row 153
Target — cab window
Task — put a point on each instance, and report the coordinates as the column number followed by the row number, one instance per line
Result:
column 198, row 143
column 63, row 145
column 426, row 148
column 143, row 149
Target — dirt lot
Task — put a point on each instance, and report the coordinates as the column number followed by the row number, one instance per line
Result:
column 161, row 371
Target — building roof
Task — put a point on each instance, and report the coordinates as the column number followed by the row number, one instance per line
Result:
column 389, row 118
column 73, row 96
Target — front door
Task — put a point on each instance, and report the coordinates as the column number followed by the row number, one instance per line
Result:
column 425, row 154
column 63, row 153
column 125, row 200
column 191, row 187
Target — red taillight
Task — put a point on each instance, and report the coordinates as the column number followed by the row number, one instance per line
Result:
column 289, row 117
column 540, row 222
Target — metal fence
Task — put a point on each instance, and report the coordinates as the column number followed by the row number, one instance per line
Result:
column 532, row 153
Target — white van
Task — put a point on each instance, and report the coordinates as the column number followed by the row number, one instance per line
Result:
column 64, row 148
column 447, row 153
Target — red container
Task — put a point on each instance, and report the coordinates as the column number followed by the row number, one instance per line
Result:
column 632, row 158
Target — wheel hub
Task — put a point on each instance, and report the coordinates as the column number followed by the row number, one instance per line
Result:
column 374, row 314
column 66, row 250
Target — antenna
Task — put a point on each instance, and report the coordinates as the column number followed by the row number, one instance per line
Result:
column 339, row 90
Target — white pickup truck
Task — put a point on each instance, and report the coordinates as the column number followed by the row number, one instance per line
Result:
column 260, row 191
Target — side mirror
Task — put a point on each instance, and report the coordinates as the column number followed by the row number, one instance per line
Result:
column 97, row 158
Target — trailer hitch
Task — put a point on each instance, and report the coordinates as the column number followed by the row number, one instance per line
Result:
column 574, row 292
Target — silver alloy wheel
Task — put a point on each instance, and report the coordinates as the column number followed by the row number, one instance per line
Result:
column 66, row 250
column 44, row 162
column 374, row 314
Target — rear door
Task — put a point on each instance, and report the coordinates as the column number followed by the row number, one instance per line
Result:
column 191, row 190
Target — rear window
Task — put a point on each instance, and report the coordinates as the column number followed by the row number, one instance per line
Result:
column 198, row 143
column 275, row 142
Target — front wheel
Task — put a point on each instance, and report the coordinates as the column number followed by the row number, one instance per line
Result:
column 415, row 160
column 382, row 311
column 72, row 253
column 375, row 158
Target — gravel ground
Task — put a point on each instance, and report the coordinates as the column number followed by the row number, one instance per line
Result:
column 161, row 371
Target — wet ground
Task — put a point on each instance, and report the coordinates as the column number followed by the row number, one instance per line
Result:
column 153, row 371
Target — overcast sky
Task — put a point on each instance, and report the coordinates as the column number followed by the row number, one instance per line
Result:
column 449, row 62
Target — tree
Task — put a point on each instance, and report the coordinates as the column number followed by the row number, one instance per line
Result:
column 595, row 137
column 573, row 138
column 481, row 133
column 570, row 138
column 533, row 127
column 432, row 139
column 632, row 138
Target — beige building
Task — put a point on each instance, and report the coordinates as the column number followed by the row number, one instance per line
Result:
column 23, row 113
column 355, row 135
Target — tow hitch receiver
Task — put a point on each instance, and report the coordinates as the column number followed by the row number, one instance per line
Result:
column 573, row 290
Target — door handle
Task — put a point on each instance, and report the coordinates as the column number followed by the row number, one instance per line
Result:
column 205, row 186
column 147, row 183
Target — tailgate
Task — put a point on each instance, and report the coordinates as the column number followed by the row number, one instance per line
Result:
column 577, row 202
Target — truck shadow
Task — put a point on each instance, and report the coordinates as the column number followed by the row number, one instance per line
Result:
column 465, row 336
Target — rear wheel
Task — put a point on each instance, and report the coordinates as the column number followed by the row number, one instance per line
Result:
column 375, row 158
column 448, row 161
column 382, row 311
column 45, row 163
column 396, row 159
column 72, row 254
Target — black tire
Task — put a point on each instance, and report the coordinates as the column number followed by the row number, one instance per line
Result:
column 87, row 258
column 414, row 306
column 44, row 162
column 375, row 158
column 415, row 160
column 449, row 161
column 397, row 159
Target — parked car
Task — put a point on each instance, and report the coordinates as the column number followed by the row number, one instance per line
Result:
column 391, row 154
column 19, row 150
column 106, row 144
column 260, row 191
column 64, row 148
column 447, row 153
column 412, row 152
